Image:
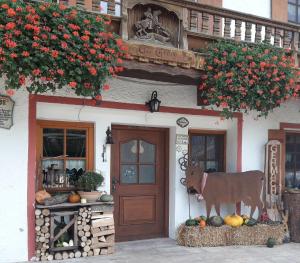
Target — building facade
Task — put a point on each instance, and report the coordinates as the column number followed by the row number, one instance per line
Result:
column 147, row 146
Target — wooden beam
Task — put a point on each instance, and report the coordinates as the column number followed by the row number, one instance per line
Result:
column 162, row 73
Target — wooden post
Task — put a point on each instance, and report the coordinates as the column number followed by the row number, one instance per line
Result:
column 194, row 20
column 111, row 7
column 287, row 39
column 248, row 33
column 237, row 33
column 268, row 34
column 205, row 23
column 277, row 37
column 258, row 33
column 227, row 28
column 217, row 26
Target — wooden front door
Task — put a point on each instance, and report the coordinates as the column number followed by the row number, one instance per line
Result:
column 139, row 182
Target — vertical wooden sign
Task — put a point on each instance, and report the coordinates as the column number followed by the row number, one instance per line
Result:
column 273, row 182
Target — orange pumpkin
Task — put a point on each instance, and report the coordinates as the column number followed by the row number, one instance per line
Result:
column 74, row 198
column 40, row 196
column 202, row 223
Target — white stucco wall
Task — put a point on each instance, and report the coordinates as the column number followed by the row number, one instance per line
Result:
column 14, row 146
column 13, row 182
column 139, row 91
column 255, row 132
column 254, row 7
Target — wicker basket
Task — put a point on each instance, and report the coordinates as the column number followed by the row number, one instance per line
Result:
column 292, row 204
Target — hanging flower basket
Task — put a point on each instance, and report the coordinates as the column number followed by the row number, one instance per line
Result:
column 45, row 47
column 242, row 78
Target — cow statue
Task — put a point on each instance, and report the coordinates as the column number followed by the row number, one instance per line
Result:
column 219, row 187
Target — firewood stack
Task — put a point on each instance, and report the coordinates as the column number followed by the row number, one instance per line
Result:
column 42, row 226
column 84, row 231
column 103, row 232
column 95, row 234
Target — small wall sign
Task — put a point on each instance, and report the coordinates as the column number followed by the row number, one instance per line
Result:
column 182, row 139
column 6, row 112
column 182, row 122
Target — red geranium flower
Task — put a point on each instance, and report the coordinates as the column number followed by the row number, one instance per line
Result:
column 93, row 71
column 10, row 92
column 64, row 45
column 54, row 53
column 106, row 87
column 10, row 26
column 60, row 72
column 72, row 84
column 25, row 54
column 11, row 12
column 36, row 72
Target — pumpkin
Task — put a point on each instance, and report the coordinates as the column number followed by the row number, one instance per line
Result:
column 40, row 196
column 234, row 220
column 215, row 221
column 202, row 223
column 74, row 198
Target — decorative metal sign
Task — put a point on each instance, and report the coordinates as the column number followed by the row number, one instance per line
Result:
column 182, row 139
column 6, row 112
column 182, row 122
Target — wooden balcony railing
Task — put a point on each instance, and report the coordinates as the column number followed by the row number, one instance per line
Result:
column 111, row 7
column 222, row 23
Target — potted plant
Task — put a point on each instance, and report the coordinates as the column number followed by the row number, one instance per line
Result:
column 88, row 184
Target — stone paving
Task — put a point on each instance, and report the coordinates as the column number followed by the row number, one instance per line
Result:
column 166, row 251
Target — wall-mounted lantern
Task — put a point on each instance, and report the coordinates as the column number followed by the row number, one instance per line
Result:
column 154, row 103
column 109, row 138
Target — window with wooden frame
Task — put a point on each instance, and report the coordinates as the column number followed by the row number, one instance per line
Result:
column 65, row 150
column 292, row 160
column 294, row 11
column 208, row 148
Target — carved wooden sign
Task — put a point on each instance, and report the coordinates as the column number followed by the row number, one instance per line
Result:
column 154, row 24
column 273, row 173
column 6, row 112
column 149, row 28
column 161, row 55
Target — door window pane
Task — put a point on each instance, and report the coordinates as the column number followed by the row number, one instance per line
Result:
column 129, row 152
column 53, row 142
column 129, row 174
column 147, row 174
column 147, row 152
column 76, row 143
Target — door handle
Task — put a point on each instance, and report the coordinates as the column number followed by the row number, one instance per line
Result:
column 114, row 182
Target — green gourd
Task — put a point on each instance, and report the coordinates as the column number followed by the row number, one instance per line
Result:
column 271, row 242
column 106, row 198
column 191, row 222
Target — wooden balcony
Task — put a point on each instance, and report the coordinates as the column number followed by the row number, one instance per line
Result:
column 207, row 21
column 191, row 26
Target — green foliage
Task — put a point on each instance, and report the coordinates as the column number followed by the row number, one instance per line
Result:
column 45, row 47
column 243, row 78
column 90, row 181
